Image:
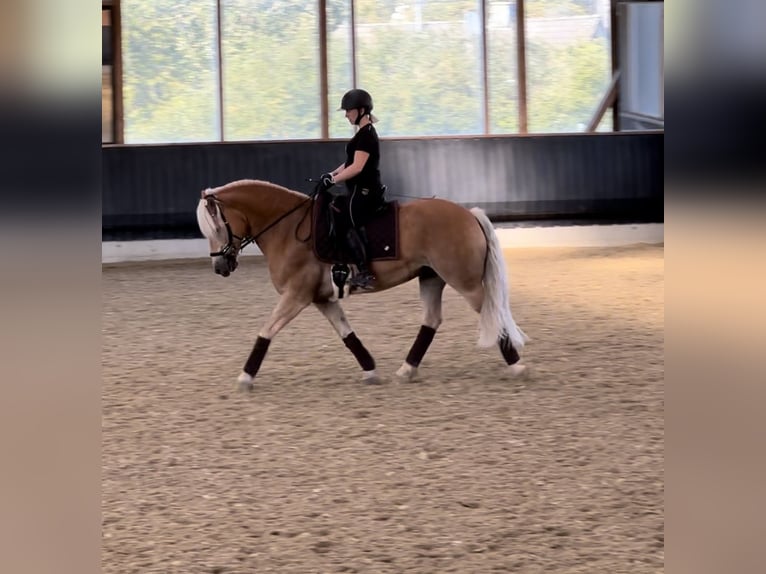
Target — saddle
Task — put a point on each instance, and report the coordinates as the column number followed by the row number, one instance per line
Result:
column 381, row 231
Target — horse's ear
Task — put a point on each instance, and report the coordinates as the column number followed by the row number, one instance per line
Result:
column 211, row 207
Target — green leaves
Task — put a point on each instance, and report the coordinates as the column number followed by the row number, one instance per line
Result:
column 420, row 60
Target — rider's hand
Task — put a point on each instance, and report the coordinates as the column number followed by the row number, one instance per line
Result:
column 327, row 181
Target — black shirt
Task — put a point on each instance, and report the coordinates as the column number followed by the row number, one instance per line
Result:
column 366, row 139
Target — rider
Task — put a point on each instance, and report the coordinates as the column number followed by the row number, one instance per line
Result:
column 362, row 176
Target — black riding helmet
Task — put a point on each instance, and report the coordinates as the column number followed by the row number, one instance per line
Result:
column 355, row 99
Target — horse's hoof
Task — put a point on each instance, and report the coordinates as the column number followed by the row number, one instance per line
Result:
column 245, row 382
column 371, row 378
column 518, row 371
column 407, row 372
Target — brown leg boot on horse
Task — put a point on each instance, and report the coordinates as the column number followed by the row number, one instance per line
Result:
column 364, row 279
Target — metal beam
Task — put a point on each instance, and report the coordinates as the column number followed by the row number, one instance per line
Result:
column 614, row 35
column 220, row 68
column 118, row 113
column 353, row 45
column 607, row 101
column 484, row 65
column 521, row 59
column 323, row 88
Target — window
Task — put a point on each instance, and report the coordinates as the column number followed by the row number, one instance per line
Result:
column 641, row 63
column 568, row 62
column 240, row 70
column 502, row 66
column 270, row 69
column 339, row 64
column 422, row 62
column 170, row 71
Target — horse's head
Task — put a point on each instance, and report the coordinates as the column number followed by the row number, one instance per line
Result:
column 225, row 229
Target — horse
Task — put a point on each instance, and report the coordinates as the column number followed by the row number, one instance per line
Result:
column 440, row 242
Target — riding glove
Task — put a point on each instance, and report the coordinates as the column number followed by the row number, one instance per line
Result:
column 327, row 181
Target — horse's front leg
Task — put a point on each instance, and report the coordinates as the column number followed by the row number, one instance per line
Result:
column 286, row 310
column 337, row 318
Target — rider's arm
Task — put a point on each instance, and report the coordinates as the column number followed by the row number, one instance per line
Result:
column 360, row 158
column 338, row 169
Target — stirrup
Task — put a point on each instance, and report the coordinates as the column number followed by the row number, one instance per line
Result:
column 364, row 281
column 339, row 273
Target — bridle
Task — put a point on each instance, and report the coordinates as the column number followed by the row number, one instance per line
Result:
column 229, row 250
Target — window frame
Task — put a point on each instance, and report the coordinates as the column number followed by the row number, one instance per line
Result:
column 117, row 76
column 118, row 135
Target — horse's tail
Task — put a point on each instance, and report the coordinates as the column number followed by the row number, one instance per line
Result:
column 495, row 318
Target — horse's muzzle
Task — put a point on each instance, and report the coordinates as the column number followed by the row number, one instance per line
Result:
column 224, row 265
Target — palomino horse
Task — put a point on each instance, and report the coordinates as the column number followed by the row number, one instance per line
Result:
column 440, row 243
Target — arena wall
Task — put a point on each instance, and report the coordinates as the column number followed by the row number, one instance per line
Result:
column 150, row 192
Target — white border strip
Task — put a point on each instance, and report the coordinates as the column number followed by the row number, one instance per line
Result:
column 581, row 235
column 564, row 236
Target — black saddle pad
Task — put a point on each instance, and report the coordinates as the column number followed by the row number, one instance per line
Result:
column 382, row 233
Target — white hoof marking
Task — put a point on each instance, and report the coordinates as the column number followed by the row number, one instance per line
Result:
column 245, row 381
column 370, row 377
column 517, row 371
column 407, row 372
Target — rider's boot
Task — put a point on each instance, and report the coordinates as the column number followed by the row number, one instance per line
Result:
column 364, row 279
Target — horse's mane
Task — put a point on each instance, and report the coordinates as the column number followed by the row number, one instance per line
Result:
column 211, row 224
column 241, row 183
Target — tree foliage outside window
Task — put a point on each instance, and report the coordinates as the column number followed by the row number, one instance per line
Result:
column 170, row 77
column 568, row 63
column 339, row 65
column 271, row 69
column 420, row 59
column 503, row 79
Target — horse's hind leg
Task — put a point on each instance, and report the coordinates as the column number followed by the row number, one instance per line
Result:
column 337, row 318
column 475, row 298
column 431, row 288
